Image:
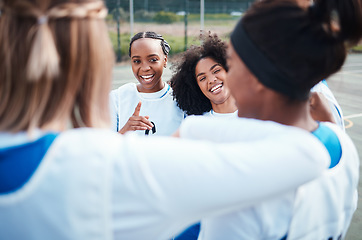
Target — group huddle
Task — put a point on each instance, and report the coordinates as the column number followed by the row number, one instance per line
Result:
column 248, row 141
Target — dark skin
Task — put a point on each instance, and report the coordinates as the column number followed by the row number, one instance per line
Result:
column 254, row 100
column 304, row 3
column 136, row 122
column 148, row 62
column 319, row 108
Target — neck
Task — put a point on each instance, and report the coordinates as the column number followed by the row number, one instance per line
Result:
column 292, row 113
column 226, row 107
column 158, row 87
column 56, row 127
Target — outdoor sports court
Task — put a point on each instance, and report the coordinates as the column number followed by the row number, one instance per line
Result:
column 347, row 88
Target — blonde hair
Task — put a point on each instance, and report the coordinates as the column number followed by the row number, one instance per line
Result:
column 55, row 62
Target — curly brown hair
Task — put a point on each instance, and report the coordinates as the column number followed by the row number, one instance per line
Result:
column 186, row 91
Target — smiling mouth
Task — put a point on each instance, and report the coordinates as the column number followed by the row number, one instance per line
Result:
column 217, row 88
column 147, row 78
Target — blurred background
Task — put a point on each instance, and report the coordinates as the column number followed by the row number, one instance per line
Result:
column 178, row 21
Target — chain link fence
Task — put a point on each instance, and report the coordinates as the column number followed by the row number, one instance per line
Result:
column 178, row 21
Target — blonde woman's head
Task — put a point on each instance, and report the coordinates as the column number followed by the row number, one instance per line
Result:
column 55, row 64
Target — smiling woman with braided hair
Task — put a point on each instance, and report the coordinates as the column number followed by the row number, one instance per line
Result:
column 146, row 107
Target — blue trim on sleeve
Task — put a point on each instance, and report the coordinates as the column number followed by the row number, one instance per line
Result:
column 331, row 142
column 285, row 237
column 191, row 233
column 338, row 112
column 18, row 163
column 325, row 82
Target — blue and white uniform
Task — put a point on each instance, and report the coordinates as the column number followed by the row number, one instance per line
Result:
column 323, row 88
column 221, row 115
column 192, row 232
column 321, row 209
column 97, row 184
column 159, row 106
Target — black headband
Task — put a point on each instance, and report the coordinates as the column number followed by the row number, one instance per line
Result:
column 262, row 67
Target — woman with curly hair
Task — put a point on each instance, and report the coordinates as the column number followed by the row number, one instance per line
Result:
column 199, row 81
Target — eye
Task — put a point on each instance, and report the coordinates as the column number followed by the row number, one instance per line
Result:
column 153, row 60
column 217, row 70
column 202, row 79
column 136, row 61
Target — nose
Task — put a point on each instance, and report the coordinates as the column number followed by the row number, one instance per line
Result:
column 212, row 79
column 145, row 66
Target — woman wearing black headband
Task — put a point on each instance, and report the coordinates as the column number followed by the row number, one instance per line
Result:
column 278, row 52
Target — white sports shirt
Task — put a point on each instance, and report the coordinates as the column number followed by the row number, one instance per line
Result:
column 321, row 209
column 98, row 184
column 159, row 106
column 221, row 115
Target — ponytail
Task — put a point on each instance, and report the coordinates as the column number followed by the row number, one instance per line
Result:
column 44, row 58
column 341, row 19
column 53, row 62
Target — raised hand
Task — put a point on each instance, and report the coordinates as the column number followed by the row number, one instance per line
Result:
column 137, row 122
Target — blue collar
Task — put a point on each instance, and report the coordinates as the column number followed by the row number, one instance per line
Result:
column 18, row 163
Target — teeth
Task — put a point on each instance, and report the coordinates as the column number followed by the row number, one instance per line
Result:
column 215, row 87
column 147, row 76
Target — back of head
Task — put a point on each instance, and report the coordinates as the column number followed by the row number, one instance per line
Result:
column 55, row 63
column 302, row 45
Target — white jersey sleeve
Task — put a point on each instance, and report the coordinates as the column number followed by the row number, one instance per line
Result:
column 231, row 129
column 102, row 185
column 328, row 202
column 182, row 184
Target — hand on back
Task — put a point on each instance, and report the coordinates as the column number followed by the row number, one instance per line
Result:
column 319, row 108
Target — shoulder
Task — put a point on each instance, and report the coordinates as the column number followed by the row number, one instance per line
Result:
column 207, row 114
column 345, row 140
column 88, row 143
column 127, row 88
column 168, row 92
column 125, row 94
column 168, row 97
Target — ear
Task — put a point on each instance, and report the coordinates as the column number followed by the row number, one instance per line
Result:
column 165, row 62
column 258, row 85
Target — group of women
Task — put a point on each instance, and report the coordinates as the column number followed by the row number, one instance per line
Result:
column 273, row 172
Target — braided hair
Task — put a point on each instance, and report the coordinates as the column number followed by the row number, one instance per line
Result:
column 165, row 46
